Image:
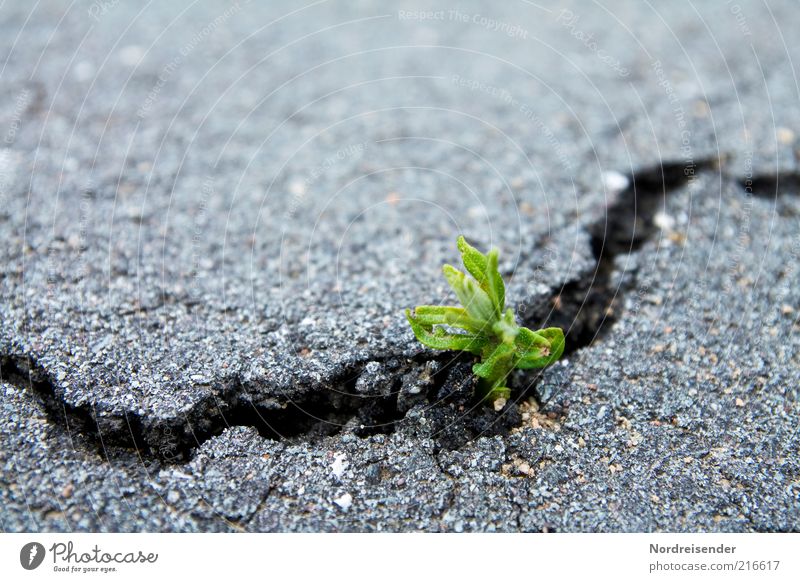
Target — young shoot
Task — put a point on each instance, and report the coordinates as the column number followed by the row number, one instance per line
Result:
column 483, row 326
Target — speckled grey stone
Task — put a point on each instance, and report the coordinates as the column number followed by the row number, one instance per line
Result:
column 214, row 216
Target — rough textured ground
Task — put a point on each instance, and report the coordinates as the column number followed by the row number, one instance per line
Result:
column 214, row 216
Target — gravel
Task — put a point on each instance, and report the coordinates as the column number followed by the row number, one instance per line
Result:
column 214, row 221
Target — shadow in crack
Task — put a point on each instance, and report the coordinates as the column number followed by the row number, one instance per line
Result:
column 442, row 383
column 585, row 308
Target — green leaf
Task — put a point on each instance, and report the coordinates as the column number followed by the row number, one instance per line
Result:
column 506, row 328
column 526, row 339
column 440, row 340
column 555, row 335
column 471, row 296
column 474, row 260
column 484, row 269
column 546, row 349
column 497, row 364
column 494, row 283
column 488, row 330
column 445, row 315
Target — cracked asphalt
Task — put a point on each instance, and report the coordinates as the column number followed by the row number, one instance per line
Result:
column 214, row 215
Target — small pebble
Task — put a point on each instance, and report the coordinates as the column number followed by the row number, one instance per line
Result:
column 345, row 501
column 83, row 71
column 339, row 465
column 297, row 187
column 131, row 55
column 785, row 136
column 664, row 221
column 615, row 181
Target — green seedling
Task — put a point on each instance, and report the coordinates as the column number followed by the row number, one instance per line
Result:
column 483, row 326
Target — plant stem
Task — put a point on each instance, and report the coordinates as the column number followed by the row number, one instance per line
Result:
column 494, row 389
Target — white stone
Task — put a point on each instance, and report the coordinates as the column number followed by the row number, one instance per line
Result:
column 131, row 55
column 297, row 187
column 345, row 501
column 664, row 221
column 339, row 465
column 615, row 181
column 83, row 71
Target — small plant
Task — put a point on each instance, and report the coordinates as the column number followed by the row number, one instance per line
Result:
column 482, row 327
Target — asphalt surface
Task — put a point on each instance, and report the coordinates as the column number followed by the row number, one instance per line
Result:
column 214, row 216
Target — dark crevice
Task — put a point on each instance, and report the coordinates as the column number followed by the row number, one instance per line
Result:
column 77, row 422
column 454, row 417
column 585, row 309
column 315, row 414
column 442, row 382
column 318, row 413
column 772, row 186
column 776, row 188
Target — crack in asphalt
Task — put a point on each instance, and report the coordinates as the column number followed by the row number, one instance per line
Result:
column 585, row 309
